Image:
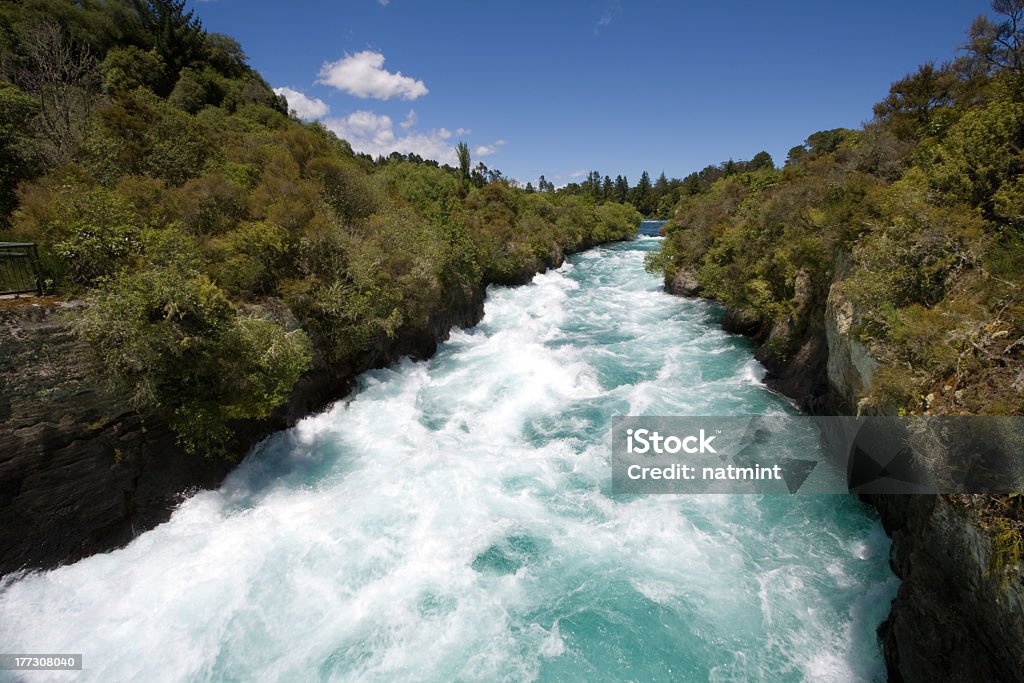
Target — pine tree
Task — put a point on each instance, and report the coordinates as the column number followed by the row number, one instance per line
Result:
column 621, row 189
column 642, row 195
column 177, row 35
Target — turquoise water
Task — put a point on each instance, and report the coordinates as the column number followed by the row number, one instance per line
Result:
column 451, row 520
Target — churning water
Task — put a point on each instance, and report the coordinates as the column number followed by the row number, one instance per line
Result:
column 452, row 520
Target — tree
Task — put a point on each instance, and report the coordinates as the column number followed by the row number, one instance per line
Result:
column 178, row 347
column 980, row 153
column 761, row 160
column 642, row 196
column 177, row 36
column 190, row 92
column 225, row 55
column 911, row 100
column 63, row 82
column 1000, row 45
column 621, row 194
column 462, row 150
column 19, row 154
column 796, row 154
column 127, row 68
column 660, row 187
column 480, row 174
column 826, row 141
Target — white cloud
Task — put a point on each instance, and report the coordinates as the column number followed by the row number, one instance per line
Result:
column 610, row 11
column 306, row 108
column 383, row 3
column 487, row 150
column 576, row 174
column 363, row 75
column 374, row 134
column 410, row 119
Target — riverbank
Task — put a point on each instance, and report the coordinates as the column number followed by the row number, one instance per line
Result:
column 958, row 614
column 82, row 473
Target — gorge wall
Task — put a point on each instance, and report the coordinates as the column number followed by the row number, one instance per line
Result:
column 82, row 473
column 957, row 616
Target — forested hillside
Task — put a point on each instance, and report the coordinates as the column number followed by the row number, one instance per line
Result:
column 916, row 218
column 222, row 245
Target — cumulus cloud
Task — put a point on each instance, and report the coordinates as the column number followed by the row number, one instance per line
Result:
column 577, row 174
column 410, row 119
column 306, row 108
column 374, row 134
column 363, row 75
column 487, row 150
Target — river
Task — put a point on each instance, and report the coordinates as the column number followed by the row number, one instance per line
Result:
column 452, row 520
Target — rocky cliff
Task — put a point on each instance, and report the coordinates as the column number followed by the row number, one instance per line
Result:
column 81, row 472
column 958, row 616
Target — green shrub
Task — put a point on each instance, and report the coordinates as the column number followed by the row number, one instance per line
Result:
column 89, row 231
column 174, row 342
column 127, row 68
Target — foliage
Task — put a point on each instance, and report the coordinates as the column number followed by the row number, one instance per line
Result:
column 20, row 156
column 141, row 134
column 915, row 220
column 174, row 341
column 1007, row 555
column 127, row 68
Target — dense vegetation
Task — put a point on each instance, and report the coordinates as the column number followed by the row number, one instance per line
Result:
column 225, row 246
column 917, row 219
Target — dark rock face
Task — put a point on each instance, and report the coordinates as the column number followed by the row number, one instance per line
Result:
column 81, row 473
column 953, row 618
column 684, row 283
column 800, row 374
column 746, row 323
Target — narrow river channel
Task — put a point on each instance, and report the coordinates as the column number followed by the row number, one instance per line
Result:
column 452, row 520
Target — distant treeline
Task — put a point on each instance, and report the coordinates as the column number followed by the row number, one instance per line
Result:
column 657, row 199
column 223, row 245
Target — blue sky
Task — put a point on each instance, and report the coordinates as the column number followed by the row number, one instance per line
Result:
column 561, row 88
